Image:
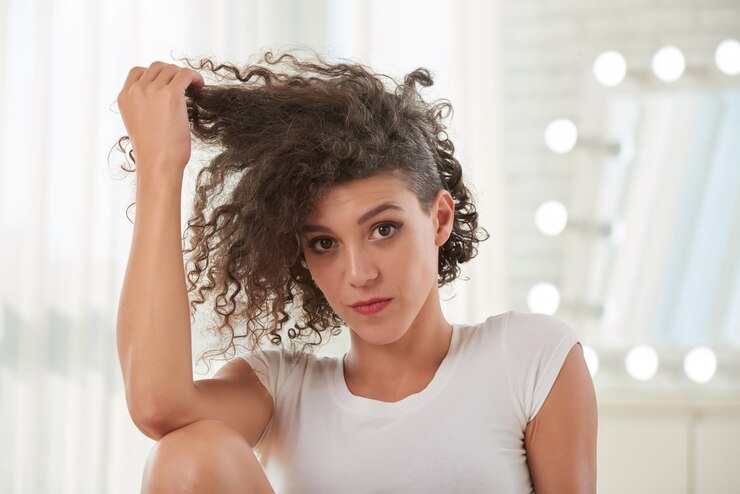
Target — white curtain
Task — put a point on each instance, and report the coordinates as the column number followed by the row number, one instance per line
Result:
column 64, row 425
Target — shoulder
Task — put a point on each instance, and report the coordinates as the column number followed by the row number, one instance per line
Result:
column 277, row 367
column 537, row 323
column 526, row 331
column 523, row 322
column 535, row 348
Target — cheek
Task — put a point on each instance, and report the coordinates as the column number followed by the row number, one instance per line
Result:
column 323, row 279
column 417, row 262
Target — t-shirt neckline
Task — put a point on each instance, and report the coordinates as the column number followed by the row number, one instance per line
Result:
column 369, row 406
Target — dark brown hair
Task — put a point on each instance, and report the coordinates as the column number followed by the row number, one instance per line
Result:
column 287, row 130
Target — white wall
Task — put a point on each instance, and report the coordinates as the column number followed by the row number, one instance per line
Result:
column 669, row 446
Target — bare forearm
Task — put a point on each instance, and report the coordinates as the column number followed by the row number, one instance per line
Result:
column 153, row 325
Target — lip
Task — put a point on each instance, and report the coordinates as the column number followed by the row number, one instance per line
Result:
column 369, row 301
column 373, row 307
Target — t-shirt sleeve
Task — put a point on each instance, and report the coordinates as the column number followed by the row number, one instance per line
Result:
column 267, row 364
column 276, row 370
column 536, row 348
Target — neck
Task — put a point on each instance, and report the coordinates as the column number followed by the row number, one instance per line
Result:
column 413, row 358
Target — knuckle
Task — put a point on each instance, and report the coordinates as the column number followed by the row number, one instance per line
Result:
column 169, row 70
column 178, row 74
column 138, row 90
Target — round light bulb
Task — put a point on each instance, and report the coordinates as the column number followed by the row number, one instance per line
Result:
column 727, row 56
column 543, row 298
column 561, row 135
column 669, row 64
column 700, row 364
column 551, row 217
column 642, row 362
column 609, row 68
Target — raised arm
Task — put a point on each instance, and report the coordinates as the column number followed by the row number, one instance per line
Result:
column 561, row 439
column 153, row 325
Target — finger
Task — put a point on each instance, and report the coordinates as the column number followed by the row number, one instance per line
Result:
column 186, row 77
column 153, row 71
column 166, row 75
column 133, row 75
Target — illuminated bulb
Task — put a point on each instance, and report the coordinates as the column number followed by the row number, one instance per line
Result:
column 642, row 362
column 543, row 298
column 610, row 68
column 727, row 57
column 592, row 360
column 669, row 64
column 700, row 364
column 551, row 217
column 561, row 135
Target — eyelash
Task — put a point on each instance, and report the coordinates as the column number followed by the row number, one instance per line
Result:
column 396, row 226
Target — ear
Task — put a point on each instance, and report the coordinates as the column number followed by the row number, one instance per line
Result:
column 443, row 215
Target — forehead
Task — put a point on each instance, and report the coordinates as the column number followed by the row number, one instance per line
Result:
column 361, row 193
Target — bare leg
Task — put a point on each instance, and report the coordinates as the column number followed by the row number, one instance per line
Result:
column 202, row 457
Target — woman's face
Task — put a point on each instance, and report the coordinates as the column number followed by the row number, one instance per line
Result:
column 369, row 239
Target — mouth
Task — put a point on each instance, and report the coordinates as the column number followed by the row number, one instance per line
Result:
column 372, row 307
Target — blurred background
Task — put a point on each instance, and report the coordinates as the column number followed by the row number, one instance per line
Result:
column 602, row 140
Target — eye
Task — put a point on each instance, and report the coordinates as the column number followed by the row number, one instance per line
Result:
column 324, row 243
column 391, row 228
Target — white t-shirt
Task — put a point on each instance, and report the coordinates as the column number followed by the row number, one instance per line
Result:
column 463, row 433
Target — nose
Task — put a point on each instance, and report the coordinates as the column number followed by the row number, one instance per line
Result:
column 360, row 267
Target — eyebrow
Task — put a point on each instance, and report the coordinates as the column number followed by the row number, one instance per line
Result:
column 362, row 219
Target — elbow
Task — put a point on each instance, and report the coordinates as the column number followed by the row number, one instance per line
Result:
column 156, row 414
column 150, row 420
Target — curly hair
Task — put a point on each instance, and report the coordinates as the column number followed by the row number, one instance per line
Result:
column 287, row 130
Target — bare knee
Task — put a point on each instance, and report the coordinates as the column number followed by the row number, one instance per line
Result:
column 205, row 456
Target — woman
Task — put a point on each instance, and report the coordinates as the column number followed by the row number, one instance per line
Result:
column 334, row 201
